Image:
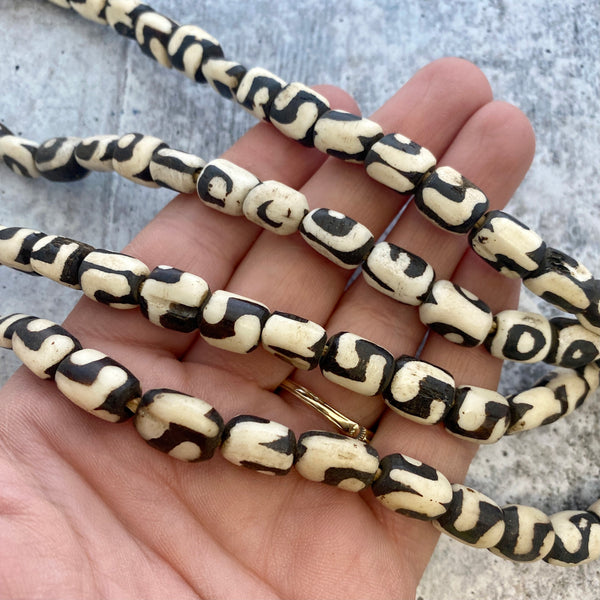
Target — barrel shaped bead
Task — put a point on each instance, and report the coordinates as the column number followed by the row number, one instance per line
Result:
column 121, row 15
column 16, row 244
column 472, row 518
column 223, row 75
column 152, row 33
column 577, row 538
column 339, row 238
column 232, row 322
column 55, row 159
column 336, row 459
column 132, row 157
column 410, row 487
column 112, row 278
column 575, row 346
column 276, row 207
column 346, row 136
column 96, row 153
column 18, row 154
column 172, row 298
column 456, row 313
column 535, row 407
column 398, row 162
column 570, row 388
column 7, row 327
column 294, row 339
column 420, row 391
column 259, row 444
column 357, row 364
column 93, row 10
column 182, row 426
column 590, row 316
column 257, row 91
column 99, row 385
column 175, row 169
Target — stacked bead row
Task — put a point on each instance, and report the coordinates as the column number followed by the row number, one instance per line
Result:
column 442, row 194
column 183, row 301
column 189, row 429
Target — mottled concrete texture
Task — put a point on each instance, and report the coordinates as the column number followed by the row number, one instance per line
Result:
column 61, row 75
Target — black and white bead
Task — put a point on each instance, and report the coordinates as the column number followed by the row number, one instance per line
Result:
column 41, row 345
column 121, row 15
column 456, row 313
column 346, row 136
column 478, row 415
column 294, row 339
column 450, row 200
column 537, row 406
column 16, row 244
column 575, row 346
column 336, row 459
column 7, row 327
column 93, row 10
column 398, row 162
column 223, row 75
column 257, row 91
column 577, row 538
column 341, row 239
column 398, row 273
column 182, row 426
column 233, row 322
column 259, row 444
column 55, row 160
column 357, row 364
column 528, row 534
column 472, row 518
column 590, row 317
column 420, row 391
column 96, row 153
column 507, row 244
column 570, row 387
column 275, row 207
column 295, row 111
column 18, row 155
column 410, row 487
column 59, row 259
column 112, row 278
column 99, row 385
column 172, row 298
column 133, row 155
column 223, row 185
column 152, row 32
column 175, row 169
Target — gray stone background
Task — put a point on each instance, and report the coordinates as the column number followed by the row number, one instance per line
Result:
column 61, row 75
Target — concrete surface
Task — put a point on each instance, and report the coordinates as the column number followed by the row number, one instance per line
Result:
column 61, row 75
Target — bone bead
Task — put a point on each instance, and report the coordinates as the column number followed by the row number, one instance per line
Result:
column 577, row 538
column 339, row 238
column 55, row 160
column 398, row 162
column 152, row 32
column 590, row 317
column 294, row 339
column 16, row 244
column 570, row 387
column 346, row 136
column 18, row 155
column 175, row 170
column 535, row 407
column 357, row 364
column 259, row 444
column 99, row 385
column 7, row 327
column 93, row 10
column 223, row 75
column 96, row 153
column 275, row 207
column 472, row 518
column 224, row 186
column 182, row 426
column 575, row 346
column 172, row 298
column 132, row 156
column 257, row 91
column 121, row 15
column 337, row 460
column 410, row 487
column 233, row 322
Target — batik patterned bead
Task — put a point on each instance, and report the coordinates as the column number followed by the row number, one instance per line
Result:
column 357, row 364
column 259, row 444
column 294, row 339
column 7, row 327
column 507, row 244
column 575, row 347
column 112, row 278
column 456, row 313
column 132, row 157
column 570, row 387
column 121, row 15
column 18, row 155
column 233, row 322
column 96, row 153
column 99, row 385
column 55, row 160
column 224, row 186
column 577, row 538
column 528, row 534
column 591, row 373
column 478, row 415
column 223, row 75
column 535, row 407
column 338, row 237
column 520, row 336
column 152, row 32
column 275, row 207
column 182, row 426
column 472, row 518
column 450, row 200
column 420, row 391
column 346, row 136
column 590, row 317
column 295, row 111
column 410, row 487
column 59, row 259
column 257, row 91
column 93, row 10
column 189, row 46
column 172, row 298
column 398, row 273
column 176, row 170
column 398, row 162
column 336, row 459
column 41, row 345
column 16, row 244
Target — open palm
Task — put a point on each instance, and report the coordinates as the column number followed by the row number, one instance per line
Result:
column 88, row 509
